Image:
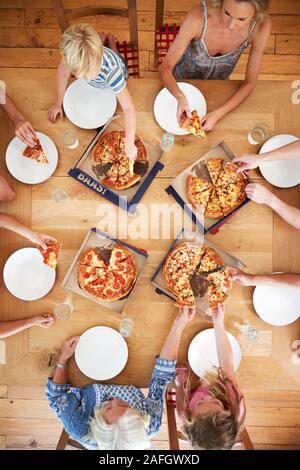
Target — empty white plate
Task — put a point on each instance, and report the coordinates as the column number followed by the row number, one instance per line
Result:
column 202, row 354
column 165, row 107
column 101, row 353
column 89, row 107
column 281, row 173
column 277, row 305
column 26, row 276
column 26, row 170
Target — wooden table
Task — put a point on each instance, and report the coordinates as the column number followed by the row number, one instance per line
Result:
column 254, row 235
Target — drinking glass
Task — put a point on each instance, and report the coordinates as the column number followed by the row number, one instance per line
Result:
column 70, row 140
column 64, row 310
column 167, row 142
column 259, row 134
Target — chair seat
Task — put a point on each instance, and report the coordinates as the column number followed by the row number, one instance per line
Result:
column 131, row 56
column 164, row 38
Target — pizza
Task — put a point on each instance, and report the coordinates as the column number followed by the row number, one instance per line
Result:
column 221, row 196
column 109, row 160
column 193, row 124
column 50, row 254
column 183, row 262
column 107, row 278
column 36, row 153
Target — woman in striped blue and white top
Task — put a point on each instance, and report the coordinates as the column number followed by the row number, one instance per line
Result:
column 85, row 56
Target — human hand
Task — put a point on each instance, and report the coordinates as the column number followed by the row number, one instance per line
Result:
column 247, row 162
column 210, row 120
column 68, row 349
column 42, row 239
column 236, row 275
column 218, row 314
column 130, row 151
column 185, row 314
column 43, row 321
column 54, row 112
column 25, row 132
column 180, row 378
column 257, row 193
column 183, row 107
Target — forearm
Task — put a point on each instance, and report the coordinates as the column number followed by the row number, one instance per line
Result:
column 290, row 214
column 61, row 374
column 8, row 328
column 288, row 152
column 11, row 110
column 130, row 123
column 61, row 82
column 284, row 279
column 224, row 351
column 239, row 97
column 171, row 346
column 10, row 223
column 167, row 77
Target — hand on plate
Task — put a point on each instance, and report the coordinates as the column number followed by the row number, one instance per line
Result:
column 68, row 348
column 25, row 132
column 257, row 193
column 183, row 107
column 54, row 112
column 42, row 239
column 239, row 276
column 247, row 162
column 43, row 321
column 210, row 120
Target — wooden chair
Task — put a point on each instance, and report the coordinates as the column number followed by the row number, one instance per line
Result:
column 130, row 51
column 175, row 435
column 164, row 34
column 65, row 441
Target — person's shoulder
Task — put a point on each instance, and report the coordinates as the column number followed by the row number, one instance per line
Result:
column 263, row 27
column 193, row 22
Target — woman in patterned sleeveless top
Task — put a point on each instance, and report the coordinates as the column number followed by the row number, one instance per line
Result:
column 210, row 41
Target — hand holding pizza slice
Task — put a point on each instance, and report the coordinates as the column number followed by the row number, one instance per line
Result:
column 50, row 254
column 193, row 124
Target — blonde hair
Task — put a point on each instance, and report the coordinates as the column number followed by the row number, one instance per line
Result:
column 216, row 430
column 81, row 49
column 261, row 6
column 128, row 433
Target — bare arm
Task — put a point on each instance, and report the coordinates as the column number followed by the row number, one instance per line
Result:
column 224, row 351
column 68, row 349
column 170, row 348
column 281, row 279
column 9, row 328
column 128, row 108
column 260, row 39
column 188, row 30
column 61, row 81
column 10, row 223
column 23, row 128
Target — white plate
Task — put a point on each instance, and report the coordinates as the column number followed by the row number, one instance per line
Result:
column 26, row 276
column 165, row 107
column 277, row 305
column 282, row 173
column 26, row 170
column 101, row 353
column 89, row 107
column 202, row 354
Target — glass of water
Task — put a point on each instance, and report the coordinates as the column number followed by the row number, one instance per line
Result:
column 167, row 142
column 70, row 140
column 259, row 134
column 126, row 326
column 64, row 310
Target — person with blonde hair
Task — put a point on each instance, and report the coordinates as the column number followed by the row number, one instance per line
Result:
column 210, row 42
column 85, row 56
column 111, row 417
column 212, row 415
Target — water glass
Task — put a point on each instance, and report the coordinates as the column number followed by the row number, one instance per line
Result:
column 126, row 326
column 259, row 134
column 70, row 140
column 64, row 310
column 167, row 142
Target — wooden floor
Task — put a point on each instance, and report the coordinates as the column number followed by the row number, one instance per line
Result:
column 26, row 422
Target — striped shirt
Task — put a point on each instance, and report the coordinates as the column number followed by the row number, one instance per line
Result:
column 113, row 73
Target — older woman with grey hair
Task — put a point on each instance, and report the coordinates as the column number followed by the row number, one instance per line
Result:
column 111, row 417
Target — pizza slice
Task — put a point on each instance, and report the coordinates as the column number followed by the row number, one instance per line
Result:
column 220, row 280
column 210, row 261
column 91, row 258
column 214, row 166
column 229, row 175
column 90, row 275
column 231, row 196
column 36, row 153
column 193, row 124
column 50, row 254
column 214, row 208
column 216, row 296
column 196, row 185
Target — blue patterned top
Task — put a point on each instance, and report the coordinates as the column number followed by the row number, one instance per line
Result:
column 75, row 406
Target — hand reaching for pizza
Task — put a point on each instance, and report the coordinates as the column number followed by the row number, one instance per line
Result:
column 247, row 162
column 239, row 276
column 68, row 349
column 186, row 314
column 25, row 132
column 54, row 112
column 43, row 321
column 210, row 120
column 218, row 314
column 42, row 239
column 130, row 151
column 183, row 107
column 257, row 193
